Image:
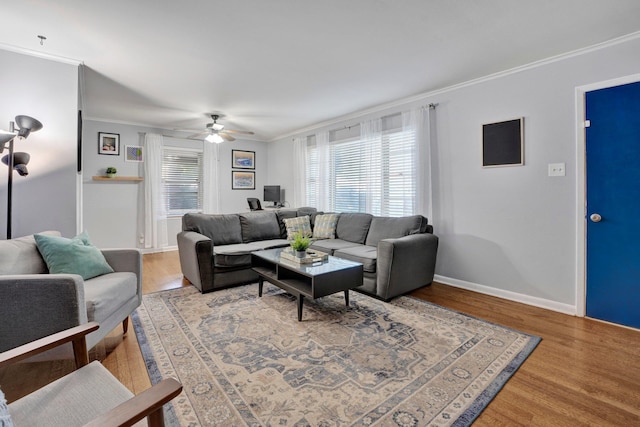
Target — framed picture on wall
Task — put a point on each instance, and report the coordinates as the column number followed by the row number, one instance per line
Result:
column 241, row 180
column 503, row 143
column 243, row 159
column 109, row 143
column 133, row 153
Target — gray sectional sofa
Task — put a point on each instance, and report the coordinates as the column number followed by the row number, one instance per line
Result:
column 398, row 254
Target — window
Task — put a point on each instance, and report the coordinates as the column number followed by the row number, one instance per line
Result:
column 374, row 176
column 181, row 179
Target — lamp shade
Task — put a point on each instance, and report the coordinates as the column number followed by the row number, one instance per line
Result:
column 6, row 136
column 20, row 161
column 27, row 125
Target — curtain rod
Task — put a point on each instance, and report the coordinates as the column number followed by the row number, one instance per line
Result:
column 431, row 106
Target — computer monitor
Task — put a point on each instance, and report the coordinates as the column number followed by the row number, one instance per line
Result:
column 272, row 194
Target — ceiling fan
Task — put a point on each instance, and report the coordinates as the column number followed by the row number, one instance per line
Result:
column 215, row 132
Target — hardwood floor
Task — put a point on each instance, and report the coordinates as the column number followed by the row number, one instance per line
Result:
column 583, row 373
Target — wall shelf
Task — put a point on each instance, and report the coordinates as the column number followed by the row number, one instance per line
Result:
column 118, row 178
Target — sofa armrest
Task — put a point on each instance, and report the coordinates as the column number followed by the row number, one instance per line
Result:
column 37, row 305
column 126, row 260
column 405, row 264
column 196, row 259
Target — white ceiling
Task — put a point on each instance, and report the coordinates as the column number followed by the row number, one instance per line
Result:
column 277, row 66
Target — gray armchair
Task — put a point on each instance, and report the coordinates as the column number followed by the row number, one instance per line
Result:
column 36, row 304
column 90, row 395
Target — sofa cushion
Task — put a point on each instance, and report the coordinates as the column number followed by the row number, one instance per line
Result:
column 392, row 228
column 258, row 226
column 366, row 255
column 299, row 224
column 312, row 213
column 233, row 255
column 21, row 255
column 331, row 245
column 270, row 244
column 325, row 226
column 283, row 214
column 72, row 256
column 105, row 294
column 353, row 227
column 222, row 229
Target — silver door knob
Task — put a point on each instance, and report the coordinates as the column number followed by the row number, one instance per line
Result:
column 595, row 217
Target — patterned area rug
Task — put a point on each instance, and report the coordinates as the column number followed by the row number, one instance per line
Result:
column 245, row 360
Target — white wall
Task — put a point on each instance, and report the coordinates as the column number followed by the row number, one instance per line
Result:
column 508, row 231
column 48, row 91
column 113, row 211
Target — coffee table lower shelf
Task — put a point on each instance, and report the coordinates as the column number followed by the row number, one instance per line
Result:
column 306, row 281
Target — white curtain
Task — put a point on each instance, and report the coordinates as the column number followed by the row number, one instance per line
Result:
column 155, row 216
column 210, row 178
column 300, row 171
column 419, row 121
column 324, row 172
column 371, row 172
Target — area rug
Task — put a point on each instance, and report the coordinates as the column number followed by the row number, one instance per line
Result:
column 247, row 361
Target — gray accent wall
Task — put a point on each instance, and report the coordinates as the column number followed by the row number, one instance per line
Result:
column 508, row 231
column 48, row 91
column 113, row 211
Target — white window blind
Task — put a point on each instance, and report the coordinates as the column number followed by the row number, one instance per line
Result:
column 181, row 179
column 374, row 176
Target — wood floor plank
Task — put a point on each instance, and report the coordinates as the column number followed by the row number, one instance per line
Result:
column 583, row 373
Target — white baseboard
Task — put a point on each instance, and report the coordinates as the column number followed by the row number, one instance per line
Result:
column 508, row 295
column 157, row 250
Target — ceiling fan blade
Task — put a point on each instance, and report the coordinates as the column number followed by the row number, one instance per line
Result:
column 242, row 132
column 198, row 135
column 226, row 136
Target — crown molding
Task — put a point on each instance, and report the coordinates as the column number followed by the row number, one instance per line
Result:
column 42, row 55
column 425, row 95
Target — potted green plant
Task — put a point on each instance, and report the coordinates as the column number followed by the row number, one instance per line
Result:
column 299, row 244
column 111, row 172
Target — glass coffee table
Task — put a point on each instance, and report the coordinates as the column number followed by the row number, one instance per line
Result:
column 312, row 280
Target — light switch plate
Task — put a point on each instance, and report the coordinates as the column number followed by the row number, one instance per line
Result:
column 557, row 169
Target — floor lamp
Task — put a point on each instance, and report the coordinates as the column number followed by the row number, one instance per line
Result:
column 17, row 161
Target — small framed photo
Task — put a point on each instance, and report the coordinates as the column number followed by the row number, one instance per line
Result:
column 243, row 159
column 503, row 143
column 109, row 143
column 133, row 153
column 241, row 180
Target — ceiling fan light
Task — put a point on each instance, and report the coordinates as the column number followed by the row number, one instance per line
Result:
column 214, row 137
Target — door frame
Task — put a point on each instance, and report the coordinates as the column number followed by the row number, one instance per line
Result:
column 581, row 185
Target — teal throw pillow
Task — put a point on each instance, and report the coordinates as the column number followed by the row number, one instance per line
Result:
column 72, row 256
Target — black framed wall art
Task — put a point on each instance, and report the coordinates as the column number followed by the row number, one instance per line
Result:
column 503, row 143
column 109, row 143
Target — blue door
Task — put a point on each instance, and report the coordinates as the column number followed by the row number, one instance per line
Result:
column 613, row 204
